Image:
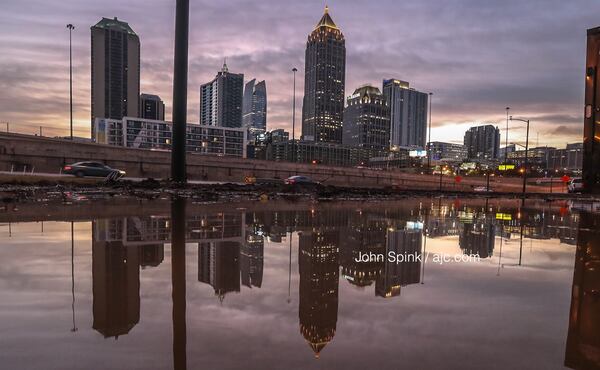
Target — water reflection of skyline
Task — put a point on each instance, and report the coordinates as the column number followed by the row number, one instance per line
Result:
column 231, row 253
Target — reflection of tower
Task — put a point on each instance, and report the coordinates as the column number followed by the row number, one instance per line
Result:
column 478, row 239
column 152, row 255
column 583, row 341
column 407, row 244
column 116, row 287
column 251, row 260
column 219, row 266
column 366, row 237
column 319, row 275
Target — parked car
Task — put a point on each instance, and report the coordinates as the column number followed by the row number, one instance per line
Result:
column 292, row 180
column 92, row 169
column 575, row 185
column 481, row 189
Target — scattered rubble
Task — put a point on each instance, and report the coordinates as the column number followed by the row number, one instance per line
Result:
column 150, row 189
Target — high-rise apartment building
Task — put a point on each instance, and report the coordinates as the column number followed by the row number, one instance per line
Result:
column 152, row 107
column 324, row 76
column 367, row 119
column 483, row 142
column 221, row 100
column 408, row 114
column 115, row 70
column 254, row 112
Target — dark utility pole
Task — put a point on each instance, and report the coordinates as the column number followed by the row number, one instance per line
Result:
column 525, row 169
column 180, row 73
column 294, row 70
column 71, row 28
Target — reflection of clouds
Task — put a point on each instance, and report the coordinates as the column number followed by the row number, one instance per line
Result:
column 453, row 55
column 462, row 311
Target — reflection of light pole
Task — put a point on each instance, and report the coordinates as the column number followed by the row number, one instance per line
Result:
column 289, row 299
column 71, row 28
column 526, row 151
column 424, row 255
column 429, row 139
column 178, row 284
column 294, row 70
column 501, row 238
column 74, row 329
column 521, row 243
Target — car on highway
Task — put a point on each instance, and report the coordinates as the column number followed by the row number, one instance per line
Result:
column 91, row 169
column 293, row 180
column 575, row 185
column 481, row 189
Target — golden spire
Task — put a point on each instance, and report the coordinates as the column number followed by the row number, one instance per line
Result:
column 326, row 20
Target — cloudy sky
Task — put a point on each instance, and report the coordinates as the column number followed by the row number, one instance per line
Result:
column 477, row 57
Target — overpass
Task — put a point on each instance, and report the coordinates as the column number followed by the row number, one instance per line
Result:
column 27, row 153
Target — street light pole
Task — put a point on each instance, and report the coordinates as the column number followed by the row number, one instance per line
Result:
column 180, row 76
column 506, row 139
column 294, row 70
column 526, row 154
column 71, row 28
column 429, row 138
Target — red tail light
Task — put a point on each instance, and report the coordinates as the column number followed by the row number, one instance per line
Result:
column 67, row 168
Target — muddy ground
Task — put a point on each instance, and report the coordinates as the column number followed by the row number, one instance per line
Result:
column 153, row 189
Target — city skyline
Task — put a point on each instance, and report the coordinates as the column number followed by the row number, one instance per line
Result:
column 472, row 79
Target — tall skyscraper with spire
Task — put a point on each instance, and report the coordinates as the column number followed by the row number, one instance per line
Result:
column 324, row 76
column 221, row 99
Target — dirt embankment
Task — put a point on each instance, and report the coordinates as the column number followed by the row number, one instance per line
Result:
column 152, row 189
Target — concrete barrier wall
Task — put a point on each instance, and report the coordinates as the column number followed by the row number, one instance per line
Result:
column 39, row 154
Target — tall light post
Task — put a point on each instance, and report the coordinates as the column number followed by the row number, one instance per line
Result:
column 294, row 70
column 506, row 138
column 71, row 28
column 180, row 76
column 526, row 152
column 429, row 139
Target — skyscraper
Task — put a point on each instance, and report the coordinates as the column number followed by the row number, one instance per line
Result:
column 219, row 266
column 254, row 113
column 152, row 107
column 115, row 70
column 408, row 113
column 367, row 119
column 324, row 76
column 115, row 280
column 483, row 142
column 478, row 239
column 221, row 100
column 395, row 274
column 318, row 264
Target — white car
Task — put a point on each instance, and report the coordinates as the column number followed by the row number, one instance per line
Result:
column 575, row 185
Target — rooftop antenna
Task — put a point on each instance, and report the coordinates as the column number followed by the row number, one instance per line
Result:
column 224, row 69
